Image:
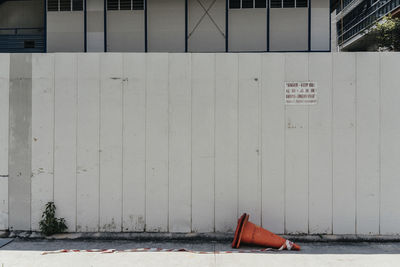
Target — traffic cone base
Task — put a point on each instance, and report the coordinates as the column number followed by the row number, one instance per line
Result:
column 249, row 233
column 239, row 230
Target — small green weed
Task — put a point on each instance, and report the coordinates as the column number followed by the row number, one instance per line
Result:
column 49, row 224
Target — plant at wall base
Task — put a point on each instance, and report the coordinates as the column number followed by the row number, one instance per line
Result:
column 49, row 224
column 386, row 34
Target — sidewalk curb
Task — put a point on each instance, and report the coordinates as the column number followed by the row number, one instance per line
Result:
column 195, row 237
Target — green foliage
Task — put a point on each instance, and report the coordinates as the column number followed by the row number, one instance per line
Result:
column 49, row 224
column 386, row 34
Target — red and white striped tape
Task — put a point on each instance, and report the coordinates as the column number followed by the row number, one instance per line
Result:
column 287, row 245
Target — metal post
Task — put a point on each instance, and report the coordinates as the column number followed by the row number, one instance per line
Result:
column 145, row 26
column 226, row 25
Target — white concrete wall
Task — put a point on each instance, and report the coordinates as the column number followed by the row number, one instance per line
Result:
column 125, row 31
column 247, row 29
column 4, row 123
column 320, row 24
column 187, row 142
column 166, row 25
column 203, row 34
column 65, row 31
column 288, row 29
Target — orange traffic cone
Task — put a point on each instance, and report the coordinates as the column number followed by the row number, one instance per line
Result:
column 249, row 233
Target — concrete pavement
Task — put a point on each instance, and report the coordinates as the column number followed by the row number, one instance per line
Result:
column 29, row 253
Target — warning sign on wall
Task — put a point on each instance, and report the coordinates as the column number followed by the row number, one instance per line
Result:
column 301, row 93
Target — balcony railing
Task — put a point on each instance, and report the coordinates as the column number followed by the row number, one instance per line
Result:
column 345, row 4
column 360, row 24
column 22, row 40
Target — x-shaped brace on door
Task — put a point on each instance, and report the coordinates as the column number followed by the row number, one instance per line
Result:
column 206, row 10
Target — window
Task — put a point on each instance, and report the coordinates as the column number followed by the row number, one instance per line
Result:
column 77, row 5
column 261, row 3
column 276, row 3
column 238, row 4
column 64, row 5
column 301, row 3
column 288, row 3
column 125, row 4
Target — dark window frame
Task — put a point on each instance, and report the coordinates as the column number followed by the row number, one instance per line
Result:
column 115, row 5
column 289, row 3
column 247, row 4
column 65, row 5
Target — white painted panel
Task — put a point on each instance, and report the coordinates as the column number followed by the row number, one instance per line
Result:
column 157, row 143
column 42, row 135
column 203, row 134
column 180, row 143
column 344, row 155
column 166, row 25
column 87, row 169
column 95, row 41
column 320, row 146
column 95, row 25
column 273, row 142
column 288, row 29
column 249, row 167
column 65, row 31
column 65, row 138
column 125, row 31
column 320, row 23
column 296, row 151
column 134, row 146
column 320, row 29
column 368, row 143
column 4, row 108
column 390, row 143
column 111, row 142
column 206, row 31
column 226, row 142
column 242, row 36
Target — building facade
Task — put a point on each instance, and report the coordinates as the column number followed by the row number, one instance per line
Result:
column 164, row 26
column 354, row 17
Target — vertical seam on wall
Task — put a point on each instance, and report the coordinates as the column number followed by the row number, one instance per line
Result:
column 145, row 142
column 122, row 140
column 332, row 138
column 215, row 126
column 308, row 151
column 260, row 117
column 8, row 142
column 284, row 151
column 191, row 143
column 99, row 144
column 168, row 140
column 76, row 140
column 54, row 117
column 30, row 138
column 260, row 149
column 380, row 142
column 355, row 145
column 237, row 136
